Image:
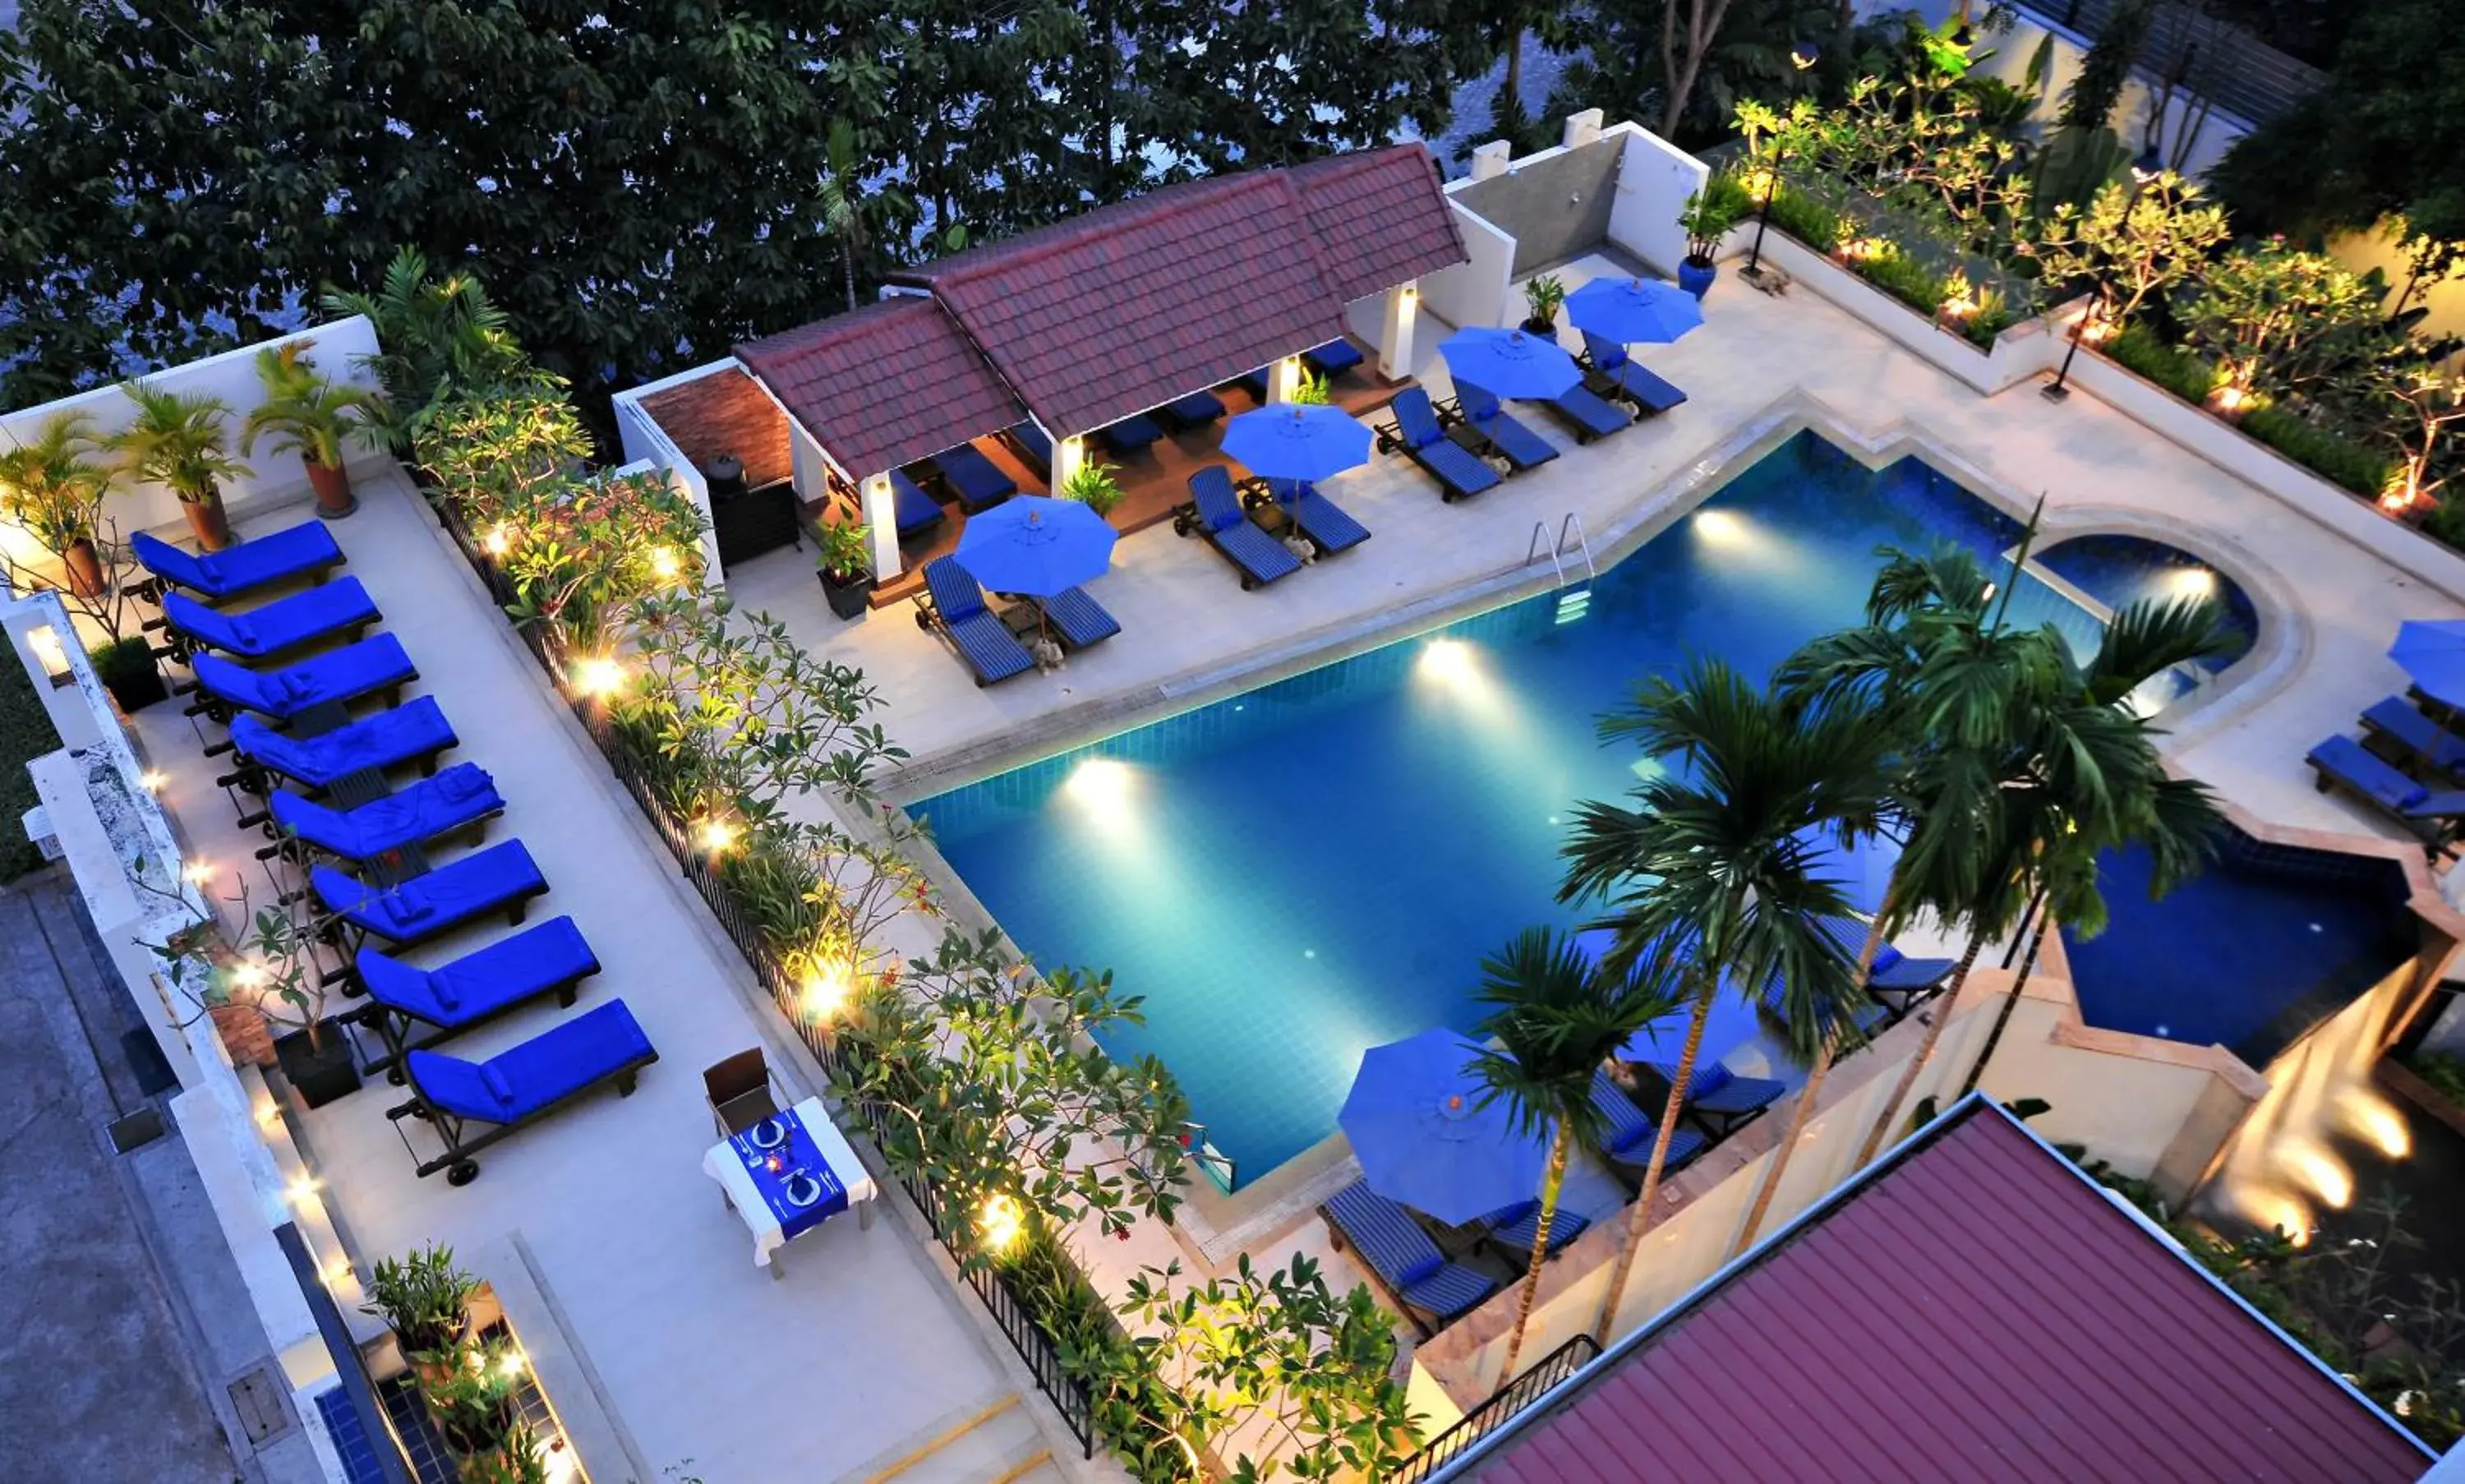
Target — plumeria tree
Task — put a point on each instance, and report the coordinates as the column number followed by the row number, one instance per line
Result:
column 581, row 553
column 2128, row 246
column 2428, row 403
column 2280, row 318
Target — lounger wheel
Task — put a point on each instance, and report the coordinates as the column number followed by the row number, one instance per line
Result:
column 462, row 1172
column 1249, row 585
column 923, row 622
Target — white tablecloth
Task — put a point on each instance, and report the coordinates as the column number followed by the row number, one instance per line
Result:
column 725, row 1166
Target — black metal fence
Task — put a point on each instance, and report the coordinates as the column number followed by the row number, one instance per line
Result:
column 1542, row 1378
column 1068, row 1395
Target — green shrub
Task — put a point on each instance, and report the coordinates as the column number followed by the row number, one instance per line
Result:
column 1803, row 217
column 1903, row 277
column 25, row 734
column 2332, row 455
column 2442, row 1070
column 2178, row 371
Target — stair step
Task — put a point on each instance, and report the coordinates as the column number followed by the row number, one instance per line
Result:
column 998, row 1443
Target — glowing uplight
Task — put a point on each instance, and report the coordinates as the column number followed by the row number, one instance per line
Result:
column 300, row 1191
column 197, row 873
column 1720, row 527
column 1451, row 660
column 826, row 990
column 2230, row 399
column 248, row 974
column 510, row 1365
column 1100, row 782
column 336, row 1273
column 1000, row 1223
column 154, row 780
column 2370, row 1115
column 2273, row 1207
column 498, row 540
column 2323, row 1173
column 716, row 836
column 600, row 674
column 664, row 562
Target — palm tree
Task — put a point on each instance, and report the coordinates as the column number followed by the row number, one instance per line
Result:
column 51, row 488
column 310, row 414
column 1713, row 872
column 434, row 332
column 1557, row 1021
column 176, row 440
column 843, row 201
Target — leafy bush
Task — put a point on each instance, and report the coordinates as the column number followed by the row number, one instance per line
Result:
column 2176, row 369
column 2340, row 460
column 1903, row 277
column 2442, row 1070
column 1803, row 217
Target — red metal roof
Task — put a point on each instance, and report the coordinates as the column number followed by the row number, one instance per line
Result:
column 1979, row 1311
column 885, row 384
column 1116, row 311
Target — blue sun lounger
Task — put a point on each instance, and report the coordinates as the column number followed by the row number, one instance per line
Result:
column 278, row 556
column 372, row 666
column 2421, row 738
column 329, row 611
column 1494, row 426
column 975, row 481
column 1632, row 1131
column 914, row 510
column 2431, row 815
column 501, row 879
column 1715, row 1092
column 415, row 732
column 1032, row 448
column 1516, row 1227
column 1617, row 373
column 521, row 1084
column 545, row 959
column 1332, row 359
column 1215, row 512
column 1195, row 411
column 1586, row 415
column 1418, row 435
column 462, row 797
column 953, row 606
column 1322, row 520
column 1080, row 619
column 1402, row 1258
column 1131, row 434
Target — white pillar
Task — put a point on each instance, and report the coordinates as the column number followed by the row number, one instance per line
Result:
column 1284, row 379
column 1069, row 456
column 1581, row 128
column 1491, row 159
column 881, row 524
column 1395, row 335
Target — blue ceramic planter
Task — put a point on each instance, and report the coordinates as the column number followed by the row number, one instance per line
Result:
column 1696, row 279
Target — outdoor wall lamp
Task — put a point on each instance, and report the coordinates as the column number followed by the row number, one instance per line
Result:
column 50, row 652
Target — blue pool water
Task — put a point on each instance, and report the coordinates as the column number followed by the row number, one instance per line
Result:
column 2119, row 570
column 1319, row 866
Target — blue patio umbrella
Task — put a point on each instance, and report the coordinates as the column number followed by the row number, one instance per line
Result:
column 1509, row 362
column 1634, row 311
column 2432, row 651
column 1036, row 545
column 1732, row 1023
column 1293, row 441
column 1417, row 1124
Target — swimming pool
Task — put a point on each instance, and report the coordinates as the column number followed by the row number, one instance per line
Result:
column 1294, row 874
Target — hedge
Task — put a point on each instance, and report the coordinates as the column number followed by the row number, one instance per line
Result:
column 25, row 734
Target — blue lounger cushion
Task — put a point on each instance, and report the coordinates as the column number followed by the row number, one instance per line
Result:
column 460, row 796
column 1459, row 470
column 294, row 551
column 1587, row 414
column 1489, row 417
column 455, row 893
column 1621, row 370
column 914, row 509
column 1322, row 520
column 373, row 664
column 959, row 611
column 1131, row 434
column 544, row 957
column 529, row 1079
column 1260, row 557
column 1518, row 1225
column 1080, row 619
column 1195, row 411
column 1718, row 1091
column 405, row 734
column 975, row 479
column 1332, row 359
column 2395, row 718
column 1402, row 1255
column 1034, row 447
column 1632, row 1132
column 2347, row 762
column 285, row 622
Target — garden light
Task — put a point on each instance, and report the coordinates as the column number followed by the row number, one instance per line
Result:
column 716, row 834
column 197, row 873
column 248, row 974
column 599, row 675
column 664, row 563
column 510, row 1364
column 498, row 540
column 825, row 990
column 300, row 1191
column 45, row 642
column 999, row 1224
column 154, row 780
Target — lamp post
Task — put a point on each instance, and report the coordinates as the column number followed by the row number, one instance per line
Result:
column 1802, row 55
column 2147, row 167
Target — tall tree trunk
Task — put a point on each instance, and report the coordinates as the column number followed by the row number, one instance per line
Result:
column 1703, row 19
column 1552, row 1180
column 1638, row 1221
column 1807, row 1095
column 2010, row 1002
column 1510, row 93
column 1883, row 1125
column 847, row 268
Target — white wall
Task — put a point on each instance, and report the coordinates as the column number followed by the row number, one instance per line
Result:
column 1654, row 178
column 1479, row 290
column 273, row 480
column 645, row 441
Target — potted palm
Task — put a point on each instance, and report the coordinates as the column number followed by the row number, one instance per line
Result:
column 425, row 1299
column 842, row 558
column 1542, row 293
column 1093, row 486
column 1707, row 219
column 54, row 491
column 310, row 414
column 177, row 442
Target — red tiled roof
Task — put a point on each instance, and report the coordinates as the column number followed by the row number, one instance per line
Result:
column 885, row 384
column 1979, row 1311
column 1116, row 311
column 724, row 412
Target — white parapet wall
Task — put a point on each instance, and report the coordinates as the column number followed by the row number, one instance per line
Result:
column 645, row 441
column 1479, row 290
column 1654, row 178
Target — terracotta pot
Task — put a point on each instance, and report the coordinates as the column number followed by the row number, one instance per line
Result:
column 332, row 483
column 207, row 520
column 245, row 1033
column 85, row 569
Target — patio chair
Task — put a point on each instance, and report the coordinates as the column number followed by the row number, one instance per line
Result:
column 1131, row 434
column 1489, row 421
column 1193, row 411
column 953, row 606
column 740, row 1092
column 1902, row 982
column 462, row 798
column 2415, row 737
column 1626, row 1145
column 547, row 957
column 1516, row 1227
column 1866, row 1017
column 1616, row 373
column 414, row 732
column 1585, row 414
column 520, row 1085
column 1717, row 1093
column 1332, row 359
column 1401, row 1256
column 974, row 480
column 371, row 667
column 327, row 612
column 2432, row 816
column 1078, row 618
column 1215, row 512
column 1032, row 448
column 295, row 551
column 1418, row 435
column 915, row 511
column 1320, row 519
column 501, row 879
